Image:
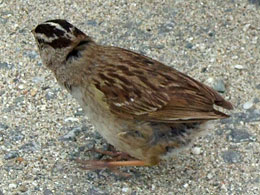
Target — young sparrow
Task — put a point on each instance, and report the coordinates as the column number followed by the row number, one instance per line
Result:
column 139, row 105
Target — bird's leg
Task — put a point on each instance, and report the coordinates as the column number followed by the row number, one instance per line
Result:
column 116, row 155
column 119, row 159
column 104, row 152
column 101, row 164
column 112, row 165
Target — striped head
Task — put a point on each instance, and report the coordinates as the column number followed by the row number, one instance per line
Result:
column 55, row 39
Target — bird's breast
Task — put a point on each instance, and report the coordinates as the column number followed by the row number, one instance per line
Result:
column 98, row 113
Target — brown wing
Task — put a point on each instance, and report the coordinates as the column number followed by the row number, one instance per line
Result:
column 137, row 87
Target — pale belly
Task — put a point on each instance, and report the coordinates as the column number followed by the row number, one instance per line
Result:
column 104, row 122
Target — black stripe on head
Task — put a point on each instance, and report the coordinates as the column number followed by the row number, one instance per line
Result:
column 78, row 32
column 57, row 33
column 49, row 30
column 67, row 26
column 60, row 43
column 63, row 23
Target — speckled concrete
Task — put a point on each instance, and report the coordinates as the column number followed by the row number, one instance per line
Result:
column 42, row 128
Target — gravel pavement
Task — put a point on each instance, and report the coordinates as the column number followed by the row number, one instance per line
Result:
column 43, row 129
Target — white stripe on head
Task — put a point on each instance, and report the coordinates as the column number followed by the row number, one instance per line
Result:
column 58, row 26
column 45, row 38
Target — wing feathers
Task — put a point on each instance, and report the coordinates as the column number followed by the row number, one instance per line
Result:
column 137, row 87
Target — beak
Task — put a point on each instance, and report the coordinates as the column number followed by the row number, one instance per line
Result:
column 33, row 31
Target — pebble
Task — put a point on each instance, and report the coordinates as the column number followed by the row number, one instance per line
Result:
column 92, row 176
column 92, row 23
column 159, row 46
column 196, row 150
column 239, row 136
column 38, row 79
column 202, row 46
column 3, row 126
column 23, row 188
column 5, row 65
column 246, row 27
column 71, row 135
column 3, row 21
column 12, row 185
column 219, row 86
column 2, row 92
column 58, row 167
column 21, row 86
column 239, row 67
column 254, row 116
column 50, row 95
column 47, row 192
column 31, row 54
column 189, row 46
column 256, row 2
column 96, row 191
column 211, row 34
column 212, row 60
column 248, row 116
column 204, row 69
column 71, row 119
column 165, row 28
column 16, row 135
column 30, row 146
column 18, row 99
column 125, row 189
column 209, row 176
column 231, row 156
column 10, row 155
column 210, row 80
column 258, row 86
column 256, row 100
column 248, row 105
column 255, row 40
column 79, row 112
column 33, row 92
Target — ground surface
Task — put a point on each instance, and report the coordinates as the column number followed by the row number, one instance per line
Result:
column 42, row 128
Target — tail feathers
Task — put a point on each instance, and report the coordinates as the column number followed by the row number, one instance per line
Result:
column 225, row 104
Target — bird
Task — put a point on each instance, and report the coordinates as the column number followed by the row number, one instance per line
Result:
column 142, row 107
